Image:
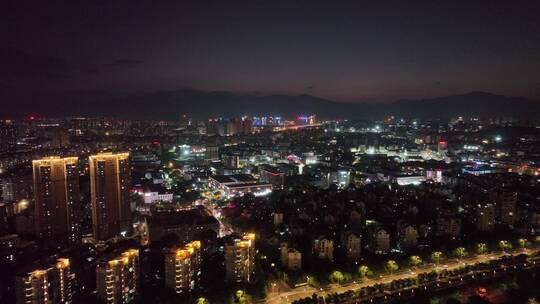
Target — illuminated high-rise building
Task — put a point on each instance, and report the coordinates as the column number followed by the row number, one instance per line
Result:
column 109, row 187
column 183, row 268
column 239, row 259
column 57, row 210
column 47, row 285
column 117, row 277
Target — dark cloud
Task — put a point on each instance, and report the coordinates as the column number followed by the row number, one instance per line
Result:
column 21, row 68
column 351, row 50
column 125, row 62
column 16, row 64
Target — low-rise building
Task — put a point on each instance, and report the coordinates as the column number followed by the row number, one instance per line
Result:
column 380, row 241
column 291, row 258
column 239, row 185
column 272, row 175
column 353, row 245
column 323, row 248
column 448, row 226
column 408, row 237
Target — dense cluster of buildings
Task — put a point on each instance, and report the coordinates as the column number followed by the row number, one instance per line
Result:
column 114, row 206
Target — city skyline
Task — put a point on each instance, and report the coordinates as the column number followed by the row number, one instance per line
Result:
column 270, row 152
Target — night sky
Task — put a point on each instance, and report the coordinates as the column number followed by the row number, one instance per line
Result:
column 346, row 51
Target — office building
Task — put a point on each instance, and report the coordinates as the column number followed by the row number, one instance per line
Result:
column 211, row 153
column 231, row 161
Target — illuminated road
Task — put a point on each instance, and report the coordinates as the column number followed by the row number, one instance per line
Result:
column 224, row 230
column 297, row 127
column 307, row 291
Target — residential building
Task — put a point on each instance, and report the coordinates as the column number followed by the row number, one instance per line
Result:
column 448, row 226
column 117, row 277
column 485, row 221
column 51, row 284
column 239, row 259
column 291, row 258
column 323, row 248
column 183, row 268
column 408, row 237
column 381, row 241
column 109, row 190
column 57, row 209
column 353, row 246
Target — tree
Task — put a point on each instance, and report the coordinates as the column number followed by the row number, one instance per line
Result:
column 460, row 253
column 391, row 266
column 505, row 245
column 241, row 297
column 415, row 260
column 363, row 271
column 436, row 257
column 337, row 277
column 481, row 248
column 202, row 300
column 523, row 243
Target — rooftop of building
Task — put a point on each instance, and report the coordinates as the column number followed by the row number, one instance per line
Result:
column 236, row 178
column 192, row 217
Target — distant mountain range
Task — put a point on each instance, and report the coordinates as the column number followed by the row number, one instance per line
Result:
column 474, row 103
column 200, row 104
